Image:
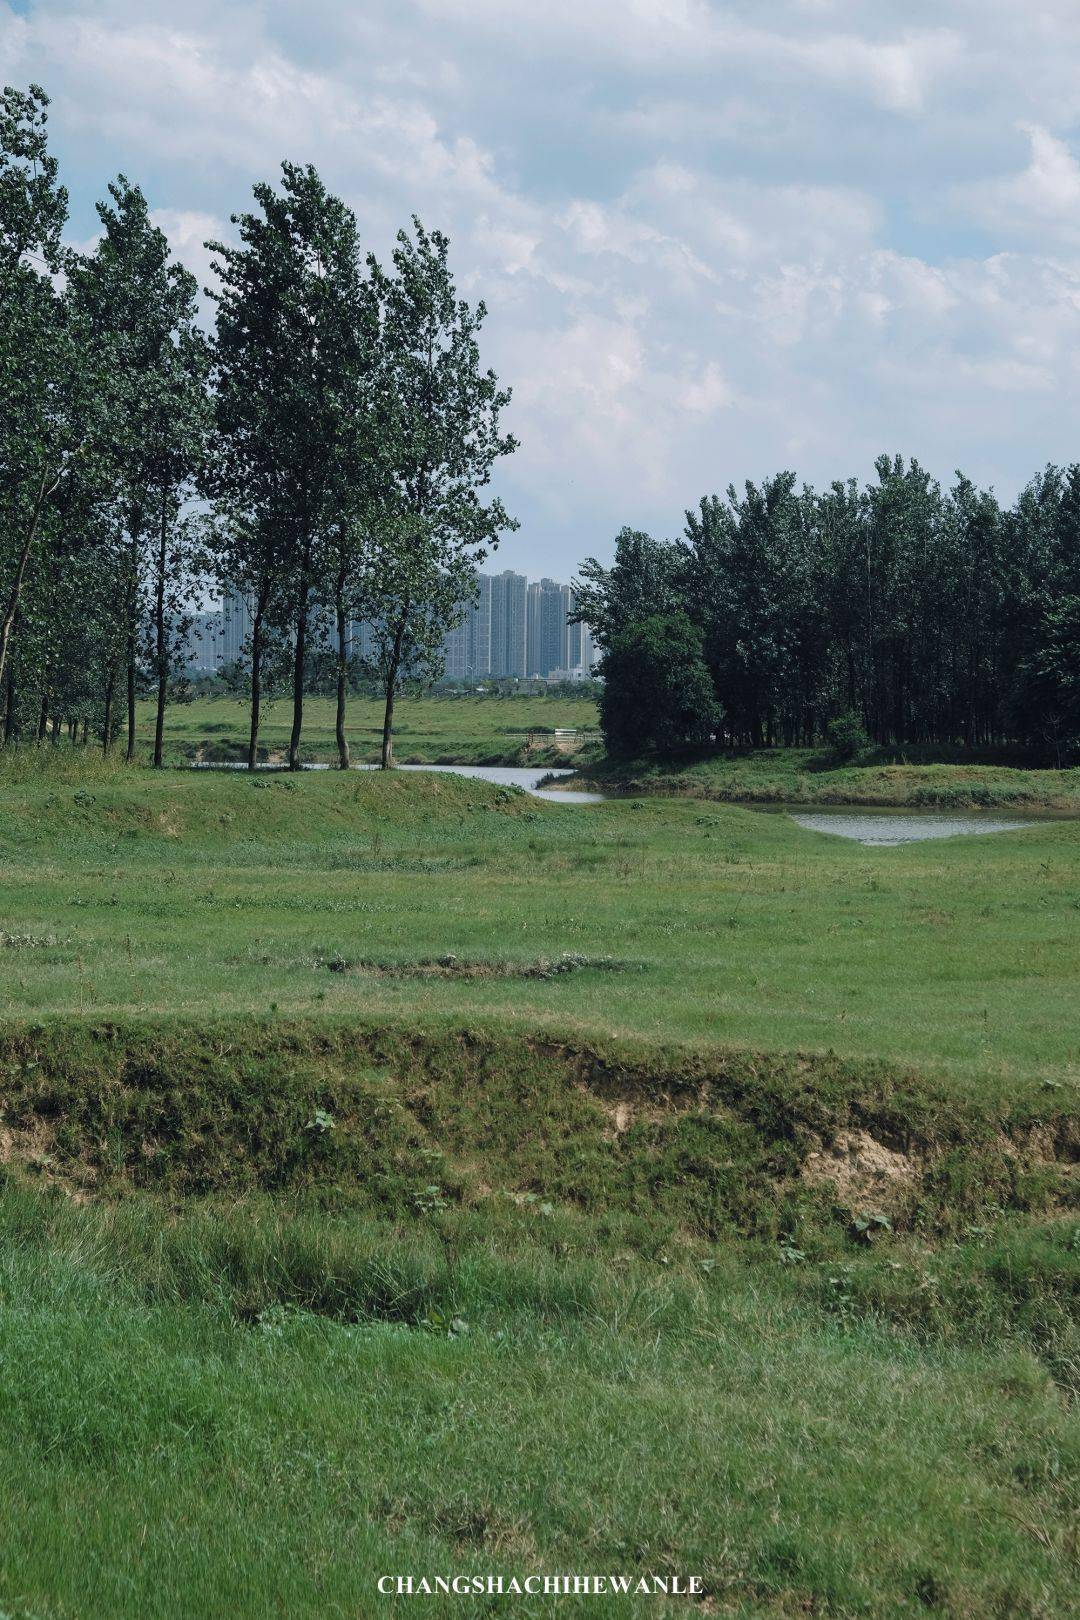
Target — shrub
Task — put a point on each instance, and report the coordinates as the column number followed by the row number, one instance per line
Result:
column 658, row 692
column 846, row 736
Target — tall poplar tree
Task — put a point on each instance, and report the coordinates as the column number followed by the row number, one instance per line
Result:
column 288, row 347
column 443, row 440
column 39, row 430
column 139, row 310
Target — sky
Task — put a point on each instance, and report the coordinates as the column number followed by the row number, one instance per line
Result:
column 716, row 238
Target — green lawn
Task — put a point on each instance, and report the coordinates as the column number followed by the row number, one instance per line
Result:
column 400, row 1174
column 493, row 730
column 192, row 893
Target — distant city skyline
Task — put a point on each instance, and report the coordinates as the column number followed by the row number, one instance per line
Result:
column 516, row 629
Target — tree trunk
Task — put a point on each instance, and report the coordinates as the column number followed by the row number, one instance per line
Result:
column 299, row 653
column 256, row 687
column 160, row 646
column 43, row 717
column 131, row 699
column 45, row 489
column 110, row 690
column 388, row 725
column 9, row 707
column 342, row 662
column 132, row 634
column 391, row 688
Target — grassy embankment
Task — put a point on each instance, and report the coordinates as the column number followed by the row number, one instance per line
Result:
column 427, row 730
column 403, row 1174
column 913, row 779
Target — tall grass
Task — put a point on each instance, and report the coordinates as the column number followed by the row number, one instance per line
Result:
column 248, row 1410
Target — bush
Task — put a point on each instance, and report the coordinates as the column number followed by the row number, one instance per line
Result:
column 658, row 692
column 846, row 736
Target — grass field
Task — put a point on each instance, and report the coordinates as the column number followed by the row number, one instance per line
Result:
column 696, row 923
column 427, row 730
column 401, row 1174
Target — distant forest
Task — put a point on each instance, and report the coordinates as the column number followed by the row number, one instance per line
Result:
column 898, row 611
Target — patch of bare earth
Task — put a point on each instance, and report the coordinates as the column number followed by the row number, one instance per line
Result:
column 858, row 1168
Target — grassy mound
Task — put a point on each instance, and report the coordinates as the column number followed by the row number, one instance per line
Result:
column 812, row 776
column 340, row 1235
column 768, row 1147
column 129, row 893
column 249, row 1408
column 331, row 1301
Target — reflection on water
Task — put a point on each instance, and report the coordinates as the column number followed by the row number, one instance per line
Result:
column 506, row 775
column 885, row 829
column 511, row 776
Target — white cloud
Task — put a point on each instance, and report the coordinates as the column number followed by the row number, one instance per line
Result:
column 713, row 235
column 188, row 232
column 898, row 74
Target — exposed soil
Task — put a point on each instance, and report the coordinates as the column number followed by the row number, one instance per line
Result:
column 860, row 1169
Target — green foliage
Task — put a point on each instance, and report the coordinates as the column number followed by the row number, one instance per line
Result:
column 846, row 737
column 443, row 440
column 657, row 691
column 645, row 579
column 934, row 616
column 42, row 404
column 291, row 355
column 140, row 566
column 354, row 432
column 1049, row 679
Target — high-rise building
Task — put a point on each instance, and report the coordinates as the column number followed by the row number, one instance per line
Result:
column 510, row 628
column 480, row 628
column 532, row 632
column 362, row 643
column 555, row 602
column 580, row 652
column 202, row 644
column 467, row 647
column 550, row 606
column 236, row 617
column 509, row 624
column 517, row 627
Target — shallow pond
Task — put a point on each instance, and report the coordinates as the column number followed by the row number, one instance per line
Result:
column 886, row 828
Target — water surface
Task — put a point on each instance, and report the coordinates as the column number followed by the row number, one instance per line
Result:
column 513, row 776
column 887, row 828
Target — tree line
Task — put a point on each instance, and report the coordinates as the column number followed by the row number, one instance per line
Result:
column 323, row 451
column 898, row 610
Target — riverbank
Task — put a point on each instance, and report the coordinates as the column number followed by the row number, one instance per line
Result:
column 811, row 777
